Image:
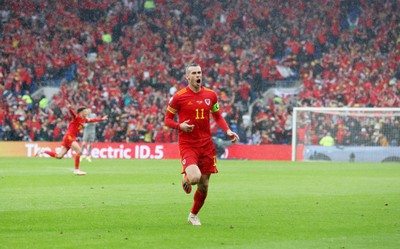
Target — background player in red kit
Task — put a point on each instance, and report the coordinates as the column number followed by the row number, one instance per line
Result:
column 193, row 104
column 69, row 140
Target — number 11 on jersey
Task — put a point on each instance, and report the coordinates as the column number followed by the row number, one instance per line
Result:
column 200, row 113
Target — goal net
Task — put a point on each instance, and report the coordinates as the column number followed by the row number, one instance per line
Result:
column 346, row 134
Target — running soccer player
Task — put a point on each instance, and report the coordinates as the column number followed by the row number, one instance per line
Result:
column 69, row 140
column 193, row 104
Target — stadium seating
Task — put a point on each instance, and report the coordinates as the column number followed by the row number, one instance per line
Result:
column 126, row 61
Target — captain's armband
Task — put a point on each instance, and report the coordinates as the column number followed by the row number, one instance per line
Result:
column 215, row 107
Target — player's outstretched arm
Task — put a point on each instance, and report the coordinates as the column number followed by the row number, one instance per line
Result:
column 224, row 126
column 93, row 120
column 71, row 109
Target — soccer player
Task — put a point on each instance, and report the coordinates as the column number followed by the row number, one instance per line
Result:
column 89, row 136
column 69, row 140
column 193, row 104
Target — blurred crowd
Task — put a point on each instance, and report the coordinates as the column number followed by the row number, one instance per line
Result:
column 357, row 128
column 126, row 58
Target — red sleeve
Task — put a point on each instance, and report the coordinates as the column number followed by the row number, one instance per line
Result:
column 169, row 120
column 220, row 120
column 72, row 113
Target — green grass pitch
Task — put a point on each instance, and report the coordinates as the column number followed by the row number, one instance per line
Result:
column 251, row 204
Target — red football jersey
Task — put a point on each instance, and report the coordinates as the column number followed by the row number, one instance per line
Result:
column 76, row 125
column 195, row 107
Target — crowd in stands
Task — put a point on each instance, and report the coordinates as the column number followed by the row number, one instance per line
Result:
column 350, row 128
column 128, row 57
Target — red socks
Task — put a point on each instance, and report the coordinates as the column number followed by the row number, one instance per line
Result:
column 199, row 198
column 77, row 157
column 51, row 153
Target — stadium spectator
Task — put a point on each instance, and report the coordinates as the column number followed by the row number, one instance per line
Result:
column 348, row 53
column 327, row 140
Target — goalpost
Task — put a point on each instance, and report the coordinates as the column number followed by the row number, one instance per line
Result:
column 346, row 134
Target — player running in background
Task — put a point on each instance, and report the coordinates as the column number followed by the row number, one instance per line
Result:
column 193, row 104
column 89, row 136
column 69, row 140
